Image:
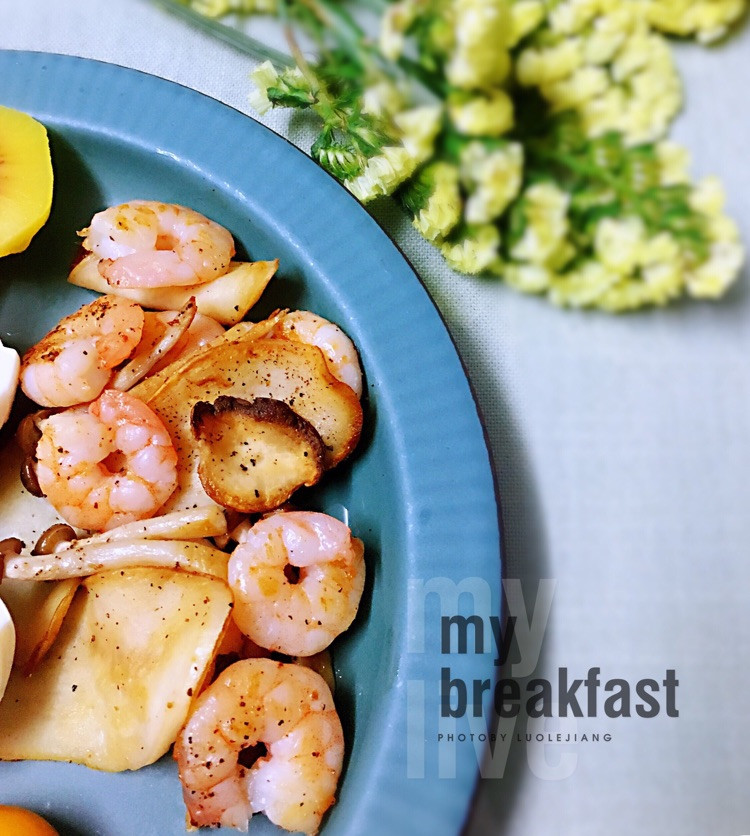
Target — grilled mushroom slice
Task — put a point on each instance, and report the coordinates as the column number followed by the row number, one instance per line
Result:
column 255, row 454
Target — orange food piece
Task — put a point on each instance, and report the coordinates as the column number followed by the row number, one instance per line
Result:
column 16, row 821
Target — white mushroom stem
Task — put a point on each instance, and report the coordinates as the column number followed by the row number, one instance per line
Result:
column 204, row 521
column 143, row 362
column 84, row 559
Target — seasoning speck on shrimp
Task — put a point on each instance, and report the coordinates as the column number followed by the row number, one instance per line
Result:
column 106, row 464
column 150, row 244
column 297, row 578
column 286, row 708
column 74, row 362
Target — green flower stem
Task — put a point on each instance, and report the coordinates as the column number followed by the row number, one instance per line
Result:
column 353, row 40
column 239, row 40
column 577, row 167
column 625, row 194
column 377, row 6
column 349, row 26
column 429, row 80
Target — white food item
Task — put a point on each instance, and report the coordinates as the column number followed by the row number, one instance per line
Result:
column 10, row 367
column 7, row 646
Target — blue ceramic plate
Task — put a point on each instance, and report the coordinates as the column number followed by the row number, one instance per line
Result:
column 419, row 490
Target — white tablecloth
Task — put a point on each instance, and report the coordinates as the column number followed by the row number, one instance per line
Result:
column 623, row 452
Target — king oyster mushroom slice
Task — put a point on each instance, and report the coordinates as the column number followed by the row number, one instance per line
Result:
column 255, row 454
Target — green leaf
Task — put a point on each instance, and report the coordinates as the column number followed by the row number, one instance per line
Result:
column 417, row 192
column 283, row 96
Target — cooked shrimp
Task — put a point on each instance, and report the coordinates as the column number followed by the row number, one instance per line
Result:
column 149, row 244
column 341, row 355
column 256, row 702
column 107, row 463
column 74, row 362
column 297, row 577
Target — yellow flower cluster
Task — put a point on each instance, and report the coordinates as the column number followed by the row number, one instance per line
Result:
column 674, row 162
column 710, row 279
column 543, row 249
column 545, row 210
column 481, row 114
column 219, row 8
column 601, row 58
column 469, row 196
column 492, row 178
column 544, row 161
column 629, row 267
column 473, row 252
column 605, row 61
column 383, row 98
column 397, row 18
column 630, row 270
column 442, row 209
column 386, row 171
column 478, row 64
column 471, row 41
column 525, row 17
column 707, row 20
column 479, row 58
